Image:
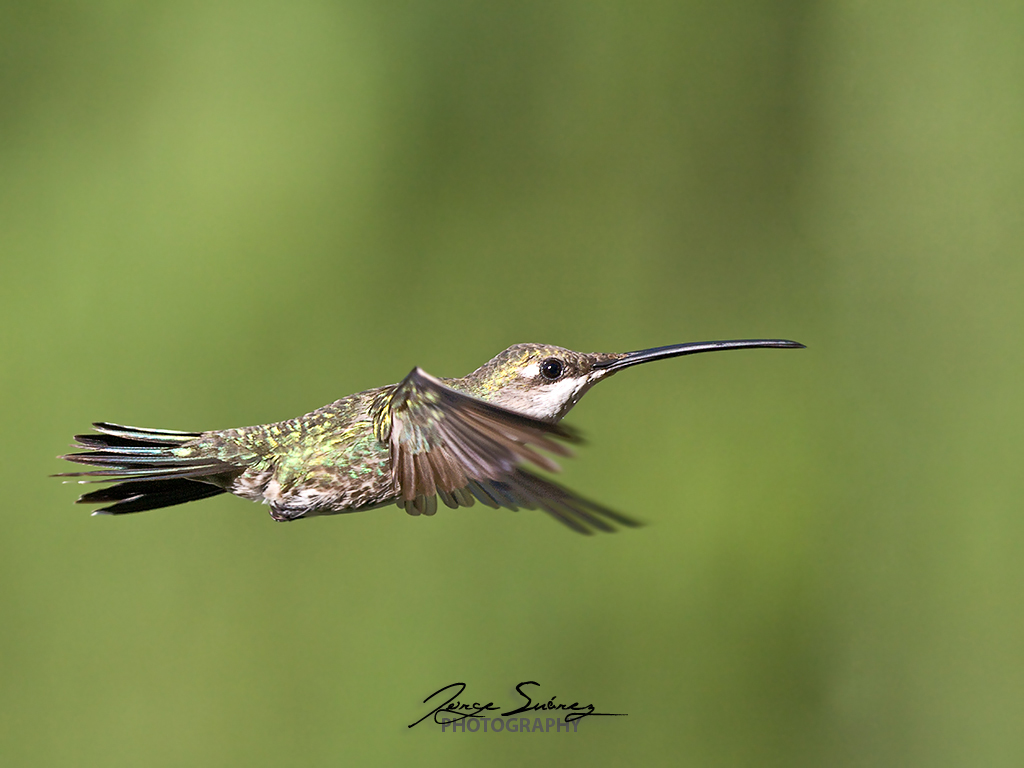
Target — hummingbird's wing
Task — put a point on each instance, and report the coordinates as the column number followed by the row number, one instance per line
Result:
column 448, row 444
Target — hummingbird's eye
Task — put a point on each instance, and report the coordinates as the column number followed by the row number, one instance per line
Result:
column 551, row 369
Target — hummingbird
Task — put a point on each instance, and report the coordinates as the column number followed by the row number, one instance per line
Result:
column 460, row 440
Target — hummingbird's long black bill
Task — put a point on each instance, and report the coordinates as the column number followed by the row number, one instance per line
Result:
column 692, row 348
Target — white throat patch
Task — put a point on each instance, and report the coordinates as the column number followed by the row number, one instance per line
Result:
column 548, row 400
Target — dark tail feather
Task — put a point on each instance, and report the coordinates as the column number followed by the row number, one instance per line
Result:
column 140, row 495
column 147, row 466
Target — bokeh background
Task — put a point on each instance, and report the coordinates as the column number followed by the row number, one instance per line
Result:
column 222, row 213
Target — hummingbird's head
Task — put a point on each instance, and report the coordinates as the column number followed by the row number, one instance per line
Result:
column 545, row 381
column 539, row 380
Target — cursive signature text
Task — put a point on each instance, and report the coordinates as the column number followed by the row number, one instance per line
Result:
column 453, row 710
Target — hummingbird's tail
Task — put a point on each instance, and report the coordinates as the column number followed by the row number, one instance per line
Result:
column 151, row 467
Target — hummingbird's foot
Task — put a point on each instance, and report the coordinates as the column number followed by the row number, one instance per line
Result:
column 283, row 515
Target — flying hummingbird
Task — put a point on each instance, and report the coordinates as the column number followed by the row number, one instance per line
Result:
column 463, row 440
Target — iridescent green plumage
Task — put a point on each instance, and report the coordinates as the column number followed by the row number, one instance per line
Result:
column 460, row 440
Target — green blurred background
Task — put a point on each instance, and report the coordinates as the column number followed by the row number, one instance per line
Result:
column 219, row 214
